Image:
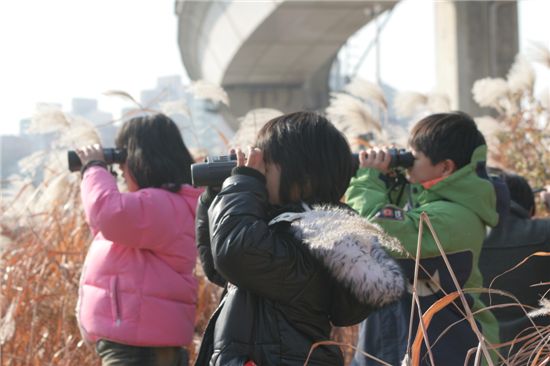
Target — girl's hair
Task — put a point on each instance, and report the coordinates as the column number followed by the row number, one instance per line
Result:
column 156, row 155
column 444, row 136
column 314, row 157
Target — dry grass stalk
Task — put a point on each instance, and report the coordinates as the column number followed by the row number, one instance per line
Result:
column 415, row 301
column 425, row 323
column 412, row 356
column 124, row 95
column 522, row 262
column 425, row 219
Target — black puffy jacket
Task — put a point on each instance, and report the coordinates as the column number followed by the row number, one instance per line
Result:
column 514, row 239
column 292, row 279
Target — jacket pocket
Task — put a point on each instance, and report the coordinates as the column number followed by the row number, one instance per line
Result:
column 115, row 310
column 231, row 354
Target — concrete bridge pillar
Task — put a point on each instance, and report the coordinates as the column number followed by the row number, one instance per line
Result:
column 474, row 39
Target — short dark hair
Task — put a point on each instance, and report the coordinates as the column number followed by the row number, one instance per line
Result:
column 156, row 154
column 444, row 136
column 312, row 154
column 520, row 191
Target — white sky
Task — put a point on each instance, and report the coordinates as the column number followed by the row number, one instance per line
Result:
column 56, row 50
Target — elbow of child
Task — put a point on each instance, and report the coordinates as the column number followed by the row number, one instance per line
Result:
column 111, row 224
column 228, row 264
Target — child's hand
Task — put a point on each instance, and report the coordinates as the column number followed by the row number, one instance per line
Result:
column 89, row 153
column 255, row 159
column 375, row 158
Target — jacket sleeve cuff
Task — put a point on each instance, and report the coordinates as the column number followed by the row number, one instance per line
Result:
column 244, row 170
column 92, row 163
column 372, row 176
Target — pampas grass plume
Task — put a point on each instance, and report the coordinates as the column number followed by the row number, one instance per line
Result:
column 539, row 53
column 351, row 116
column 202, row 89
column 54, row 191
column 521, row 76
column 545, row 98
column 367, row 91
column 175, row 107
column 543, row 310
column 250, row 124
column 81, row 133
column 407, row 104
column 48, row 118
column 488, row 91
column 438, row 103
column 7, row 324
column 31, row 163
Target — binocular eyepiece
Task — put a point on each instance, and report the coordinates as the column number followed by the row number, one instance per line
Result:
column 111, row 155
column 215, row 169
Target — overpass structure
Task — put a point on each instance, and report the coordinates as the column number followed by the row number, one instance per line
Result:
column 278, row 53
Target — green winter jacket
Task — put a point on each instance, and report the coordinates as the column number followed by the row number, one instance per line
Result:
column 459, row 208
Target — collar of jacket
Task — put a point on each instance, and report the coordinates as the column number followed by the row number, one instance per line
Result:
column 467, row 188
column 352, row 249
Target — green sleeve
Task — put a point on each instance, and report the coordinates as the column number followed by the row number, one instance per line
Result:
column 367, row 194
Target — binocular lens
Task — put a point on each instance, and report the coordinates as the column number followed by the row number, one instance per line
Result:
column 111, row 155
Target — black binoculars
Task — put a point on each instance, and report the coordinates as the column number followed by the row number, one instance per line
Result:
column 112, row 156
column 215, row 169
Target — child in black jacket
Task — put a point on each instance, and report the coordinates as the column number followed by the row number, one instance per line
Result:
column 296, row 260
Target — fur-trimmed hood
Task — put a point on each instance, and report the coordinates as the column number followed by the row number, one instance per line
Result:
column 352, row 249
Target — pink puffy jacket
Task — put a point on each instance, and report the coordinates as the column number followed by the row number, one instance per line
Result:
column 137, row 285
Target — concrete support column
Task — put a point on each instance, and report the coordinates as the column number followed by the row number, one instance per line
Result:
column 313, row 94
column 474, row 39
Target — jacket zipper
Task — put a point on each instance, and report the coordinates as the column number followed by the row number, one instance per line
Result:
column 114, row 300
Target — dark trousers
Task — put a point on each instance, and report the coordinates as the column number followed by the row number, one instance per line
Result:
column 116, row 354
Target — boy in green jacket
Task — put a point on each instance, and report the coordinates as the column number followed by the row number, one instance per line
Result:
column 448, row 182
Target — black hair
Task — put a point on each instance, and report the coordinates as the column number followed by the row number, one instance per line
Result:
column 156, row 154
column 314, row 157
column 444, row 136
column 520, row 191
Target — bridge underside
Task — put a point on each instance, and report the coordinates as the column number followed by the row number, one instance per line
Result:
column 281, row 58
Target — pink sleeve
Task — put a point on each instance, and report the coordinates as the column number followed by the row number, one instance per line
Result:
column 138, row 219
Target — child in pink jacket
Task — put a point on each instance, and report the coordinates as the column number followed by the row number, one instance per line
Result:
column 138, row 294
